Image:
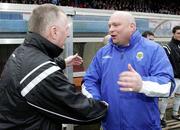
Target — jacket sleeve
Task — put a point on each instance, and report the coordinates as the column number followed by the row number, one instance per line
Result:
column 160, row 70
column 92, row 78
column 168, row 51
column 60, row 62
column 53, row 95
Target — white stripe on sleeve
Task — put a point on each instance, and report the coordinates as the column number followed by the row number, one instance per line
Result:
column 35, row 70
column 38, row 79
column 85, row 92
column 64, row 116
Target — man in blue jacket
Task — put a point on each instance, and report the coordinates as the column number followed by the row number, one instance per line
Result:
column 129, row 73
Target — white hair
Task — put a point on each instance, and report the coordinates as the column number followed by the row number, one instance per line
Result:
column 126, row 15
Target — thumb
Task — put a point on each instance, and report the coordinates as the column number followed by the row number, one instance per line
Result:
column 74, row 56
column 130, row 68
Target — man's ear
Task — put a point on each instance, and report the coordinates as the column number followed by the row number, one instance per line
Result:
column 53, row 32
column 133, row 27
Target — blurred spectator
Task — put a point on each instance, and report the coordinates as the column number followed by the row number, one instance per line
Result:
column 149, row 35
column 106, row 39
column 151, row 6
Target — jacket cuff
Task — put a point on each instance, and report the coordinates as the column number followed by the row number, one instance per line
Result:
column 153, row 89
column 60, row 62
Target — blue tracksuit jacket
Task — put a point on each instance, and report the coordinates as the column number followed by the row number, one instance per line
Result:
column 128, row 110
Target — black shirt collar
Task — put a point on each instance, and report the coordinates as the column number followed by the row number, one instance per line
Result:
column 177, row 42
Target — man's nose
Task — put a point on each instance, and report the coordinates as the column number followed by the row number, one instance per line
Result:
column 111, row 29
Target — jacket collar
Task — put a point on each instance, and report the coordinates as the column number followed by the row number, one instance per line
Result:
column 135, row 37
column 177, row 42
column 47, row 47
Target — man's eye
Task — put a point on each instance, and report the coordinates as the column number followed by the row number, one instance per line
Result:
column 116, row 25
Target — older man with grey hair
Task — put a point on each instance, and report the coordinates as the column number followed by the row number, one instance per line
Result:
column 129, row 73
column 34, row 92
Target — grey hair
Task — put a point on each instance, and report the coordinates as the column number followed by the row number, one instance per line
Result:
column 43, row 16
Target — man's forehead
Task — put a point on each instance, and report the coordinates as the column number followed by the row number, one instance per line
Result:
column 178, row 31
column 113, row 22
column 121, row 16
column 115, row 16
column 63, row 18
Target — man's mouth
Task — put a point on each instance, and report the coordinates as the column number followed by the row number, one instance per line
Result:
column 113, row 36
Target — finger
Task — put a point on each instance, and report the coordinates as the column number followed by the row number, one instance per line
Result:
column 126, row 79
column 125, row 84
column 74, row 56
column 78, row 57
column 78, row 60
column 126, row 74
column 77, row 63
column 126, row 89
column 130, row 68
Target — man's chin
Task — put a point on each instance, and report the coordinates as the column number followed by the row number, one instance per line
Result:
column 62, row 47
column 115, row 41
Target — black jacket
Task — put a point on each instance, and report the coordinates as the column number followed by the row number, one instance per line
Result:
column 173, row 51
column 36, row 95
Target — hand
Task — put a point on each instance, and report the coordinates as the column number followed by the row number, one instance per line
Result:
column 130, row 80
column 73, row 60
